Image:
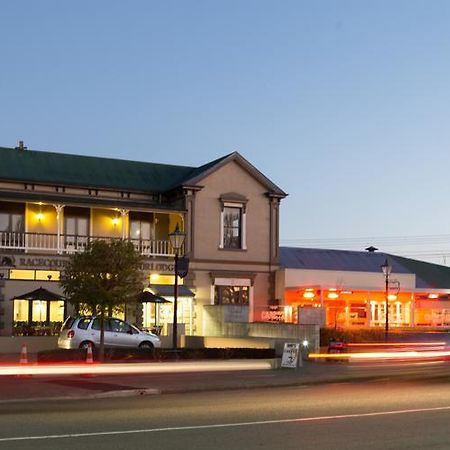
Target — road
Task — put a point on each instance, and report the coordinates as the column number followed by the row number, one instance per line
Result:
column 380, row 414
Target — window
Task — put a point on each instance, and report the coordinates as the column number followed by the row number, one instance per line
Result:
column 11, row 222
column 83, row 324
column 232, row 227
column 96, row 324
column 76, row 227
column 233, row 221
column 118, row 326
column 231, row 295
column 29, row 274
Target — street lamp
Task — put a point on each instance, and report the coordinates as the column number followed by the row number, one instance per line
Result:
column 386, row 268
column 176, row 241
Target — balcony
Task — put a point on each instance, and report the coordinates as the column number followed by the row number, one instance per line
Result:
column 64, row 244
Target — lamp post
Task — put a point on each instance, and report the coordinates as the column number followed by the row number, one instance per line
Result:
column 386, row 268
column 176, row 241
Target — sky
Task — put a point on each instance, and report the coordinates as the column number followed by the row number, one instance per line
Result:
column 343, row 104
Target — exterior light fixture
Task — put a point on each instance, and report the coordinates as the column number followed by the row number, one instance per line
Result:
column 433, row 296
column 115, row 221
column 333, row 295
column 387, row 269
column 309, row 294
column 176, row 241
column 39, row 217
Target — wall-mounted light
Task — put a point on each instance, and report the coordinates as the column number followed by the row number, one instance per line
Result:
column 433, row 296
column 154, row 277
column 392, row 297
column 308, row 294
column 39, row 217
column 333, row 295
column 115, row 221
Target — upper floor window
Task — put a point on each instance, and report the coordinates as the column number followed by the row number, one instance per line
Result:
column 232, row 227
column 12, row 218
column 233, row 221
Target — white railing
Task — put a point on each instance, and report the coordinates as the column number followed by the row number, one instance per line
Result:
column 67, row 243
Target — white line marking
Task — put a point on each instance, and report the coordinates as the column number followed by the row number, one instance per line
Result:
column 224, row 425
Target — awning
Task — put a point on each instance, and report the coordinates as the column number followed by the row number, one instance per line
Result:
column 166, row 290
column 40, row 294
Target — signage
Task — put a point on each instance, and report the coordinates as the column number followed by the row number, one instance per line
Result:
column 291, row 355
column 58, row 263
column 273, row 314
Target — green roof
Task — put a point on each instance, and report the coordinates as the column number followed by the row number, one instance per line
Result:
column 39, row 167
column 75, row 170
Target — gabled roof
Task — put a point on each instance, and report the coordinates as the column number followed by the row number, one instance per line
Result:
column 211, row 167
column 43, row 167
column 428, row 275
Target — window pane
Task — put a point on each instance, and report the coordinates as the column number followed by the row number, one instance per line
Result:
column 39, row 311
column 4, row 222
column 45, row 274
column 232, row 227
column 57, row 311
column 17, row 223
column 231, row 295
column 135, row 231
column 21, row 310
column 70, row 225
column 82, row 226
column 21, row 274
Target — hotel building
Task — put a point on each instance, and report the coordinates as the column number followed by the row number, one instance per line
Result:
column 53, row 204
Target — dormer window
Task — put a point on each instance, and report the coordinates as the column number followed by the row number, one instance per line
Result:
column 233, row 221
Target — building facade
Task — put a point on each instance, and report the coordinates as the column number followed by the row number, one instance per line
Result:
column 348, row 289
column 53, row 204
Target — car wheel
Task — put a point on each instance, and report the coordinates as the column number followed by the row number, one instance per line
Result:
column 146, row 346
column 85, row 345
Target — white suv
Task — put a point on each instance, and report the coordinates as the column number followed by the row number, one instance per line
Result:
column 81, row 332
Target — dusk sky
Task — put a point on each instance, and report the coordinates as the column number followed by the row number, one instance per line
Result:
column 345, row 105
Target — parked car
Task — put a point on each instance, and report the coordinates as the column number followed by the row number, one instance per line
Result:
column 80, row 332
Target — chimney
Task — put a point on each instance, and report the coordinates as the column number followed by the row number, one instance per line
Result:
column 21, row 146
column 371, row 249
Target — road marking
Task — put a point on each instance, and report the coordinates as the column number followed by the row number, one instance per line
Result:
column 224, row 425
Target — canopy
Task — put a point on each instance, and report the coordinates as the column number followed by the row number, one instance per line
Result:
column 147, row 296
column 40, row 294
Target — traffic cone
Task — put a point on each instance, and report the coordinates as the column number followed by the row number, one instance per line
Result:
column 89, row 356
column 23, row 355
column 23, row 361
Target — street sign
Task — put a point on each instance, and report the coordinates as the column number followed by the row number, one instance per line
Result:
column 291, row 355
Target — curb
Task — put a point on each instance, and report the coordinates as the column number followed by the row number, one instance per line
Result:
column 106, row 394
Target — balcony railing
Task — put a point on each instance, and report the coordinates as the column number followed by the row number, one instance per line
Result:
column 70, row 243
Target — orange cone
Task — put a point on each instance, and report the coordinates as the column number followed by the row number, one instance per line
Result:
column 23, row 355
column 89, row 356
column 89, row 360
column 23, row 361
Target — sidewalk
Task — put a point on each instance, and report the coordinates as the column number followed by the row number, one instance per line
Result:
column 70, row 387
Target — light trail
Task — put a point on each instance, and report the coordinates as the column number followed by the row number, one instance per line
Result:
column 130, row 368
column 411, row 355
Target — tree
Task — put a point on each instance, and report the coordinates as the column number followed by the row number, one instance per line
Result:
column 105, row 277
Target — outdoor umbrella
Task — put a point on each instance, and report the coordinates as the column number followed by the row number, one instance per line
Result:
column 40, row 294
column 149, row 297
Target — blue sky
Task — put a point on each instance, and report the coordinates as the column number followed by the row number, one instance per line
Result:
column 343, row 104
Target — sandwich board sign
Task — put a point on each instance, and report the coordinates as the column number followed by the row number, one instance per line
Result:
column 291, row 355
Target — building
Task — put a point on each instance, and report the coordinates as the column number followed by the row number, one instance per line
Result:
column 53, row 204
column 348, row 289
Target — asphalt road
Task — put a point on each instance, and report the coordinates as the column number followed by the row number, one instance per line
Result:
column 366, row 415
